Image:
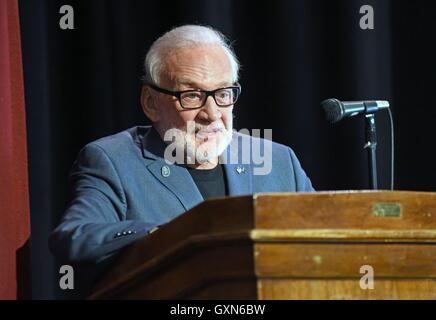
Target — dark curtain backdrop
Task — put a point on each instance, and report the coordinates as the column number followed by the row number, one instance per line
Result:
column 83, row 84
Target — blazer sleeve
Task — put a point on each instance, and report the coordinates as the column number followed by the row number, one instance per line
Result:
column 302, row 181
column 94, row 226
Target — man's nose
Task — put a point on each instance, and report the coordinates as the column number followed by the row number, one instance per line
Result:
column 210, row 110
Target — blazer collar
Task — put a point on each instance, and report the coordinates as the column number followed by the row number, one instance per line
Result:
column 153, row 147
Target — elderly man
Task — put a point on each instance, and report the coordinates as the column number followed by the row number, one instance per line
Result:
column 123, row 186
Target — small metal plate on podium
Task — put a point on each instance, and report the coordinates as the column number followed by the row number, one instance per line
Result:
column 387, row 210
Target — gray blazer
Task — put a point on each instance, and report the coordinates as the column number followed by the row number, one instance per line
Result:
column 122, row 188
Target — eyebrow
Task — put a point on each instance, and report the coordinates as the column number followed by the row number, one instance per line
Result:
column 196, row 85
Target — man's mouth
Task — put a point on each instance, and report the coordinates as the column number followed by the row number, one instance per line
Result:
column 206, row 134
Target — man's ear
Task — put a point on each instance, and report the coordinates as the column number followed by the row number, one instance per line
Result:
column 148, row 104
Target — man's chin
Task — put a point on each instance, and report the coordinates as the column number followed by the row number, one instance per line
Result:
column 207, row 149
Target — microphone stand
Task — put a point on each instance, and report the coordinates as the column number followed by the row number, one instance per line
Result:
column 371, row 145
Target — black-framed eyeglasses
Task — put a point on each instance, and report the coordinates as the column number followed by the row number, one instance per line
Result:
column 196, row 99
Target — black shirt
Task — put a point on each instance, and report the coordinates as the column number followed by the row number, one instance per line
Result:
column 211, row 182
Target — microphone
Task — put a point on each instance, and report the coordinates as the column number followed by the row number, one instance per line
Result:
column 335, row 110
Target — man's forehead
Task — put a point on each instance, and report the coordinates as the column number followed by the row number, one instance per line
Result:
column 199, row 55
column 198, row 66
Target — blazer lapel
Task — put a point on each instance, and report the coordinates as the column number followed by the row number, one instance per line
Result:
column 239, row 175
column 176, row 178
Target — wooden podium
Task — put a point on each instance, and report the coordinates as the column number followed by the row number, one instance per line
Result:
column 286, row 246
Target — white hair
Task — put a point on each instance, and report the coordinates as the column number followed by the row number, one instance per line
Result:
column 182, row 37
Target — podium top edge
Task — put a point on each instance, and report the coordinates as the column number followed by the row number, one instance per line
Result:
column 342, row 192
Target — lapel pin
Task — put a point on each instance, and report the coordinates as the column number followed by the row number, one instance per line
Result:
column 165, row 171
column 240, row 169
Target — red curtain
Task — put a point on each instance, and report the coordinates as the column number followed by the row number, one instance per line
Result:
column 14, row 201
